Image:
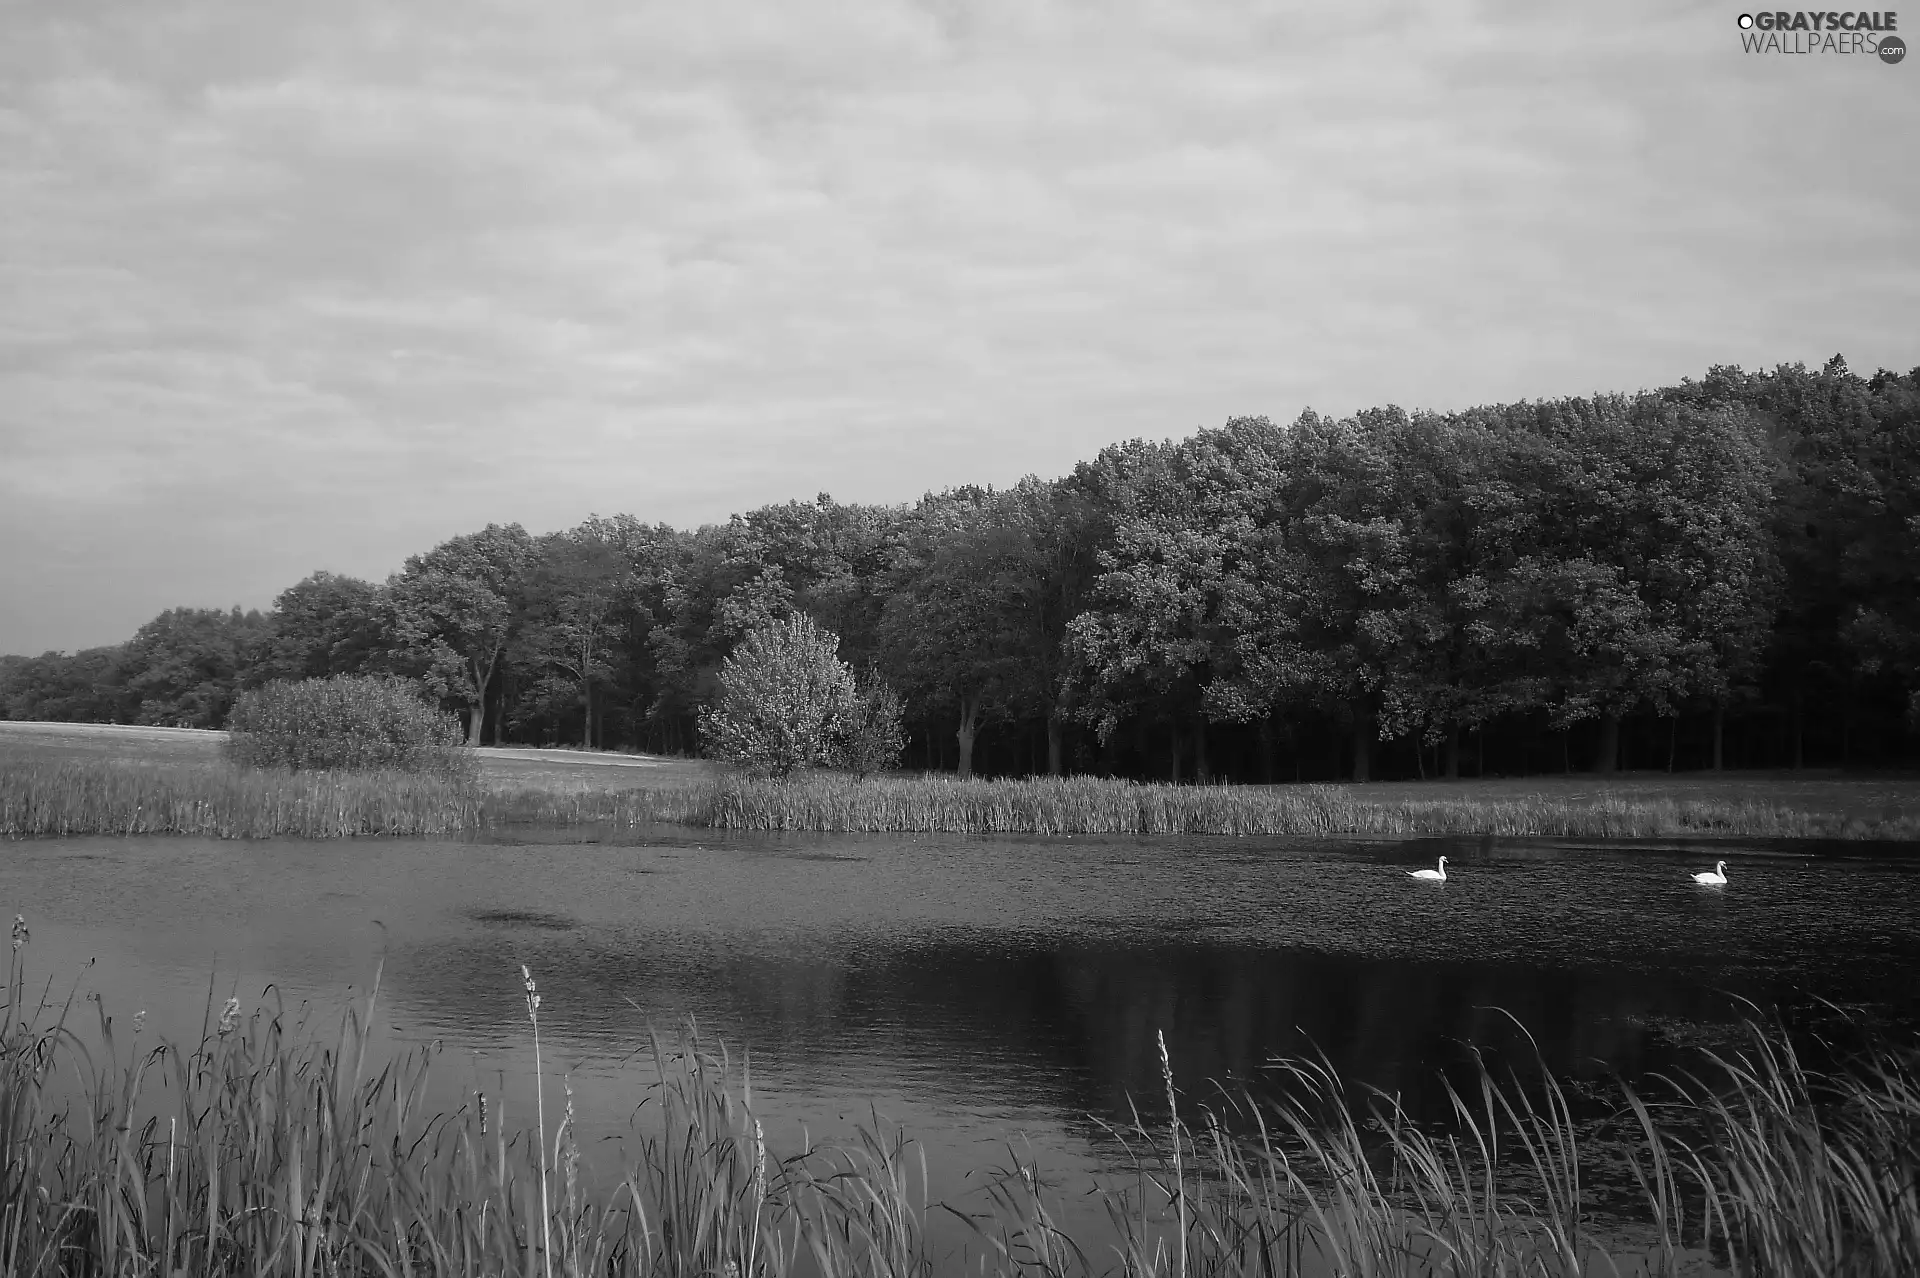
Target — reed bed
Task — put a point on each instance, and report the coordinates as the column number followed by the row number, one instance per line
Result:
column 273, row 1148
column 1094, row 805
column 220, row 799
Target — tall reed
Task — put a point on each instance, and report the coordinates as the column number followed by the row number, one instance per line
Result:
column 271, row 1148
column 219, row 800
column 1096, row 805
column 78, row 797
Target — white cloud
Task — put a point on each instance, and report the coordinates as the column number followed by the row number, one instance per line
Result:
column 681, row 260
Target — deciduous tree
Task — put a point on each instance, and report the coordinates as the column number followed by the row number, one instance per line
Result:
column 455, row 609
column 786, row 700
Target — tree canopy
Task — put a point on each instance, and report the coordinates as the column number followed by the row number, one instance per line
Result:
column 1723, row 570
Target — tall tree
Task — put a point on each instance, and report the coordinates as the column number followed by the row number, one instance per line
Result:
column 1161, row 630
column 1034, row 546
column 1648, row 577
column 455, row 609
column 324, row 625
column 184, row 666
column 947, row 638
column 575, row 585
column 86, row 687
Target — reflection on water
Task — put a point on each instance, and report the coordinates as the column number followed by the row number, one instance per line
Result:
column 976, row 988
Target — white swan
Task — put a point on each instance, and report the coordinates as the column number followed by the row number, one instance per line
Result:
column 1438, row 876
column 1715, row 877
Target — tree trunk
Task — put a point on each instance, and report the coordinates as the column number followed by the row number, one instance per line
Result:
column 1719, row 737
column 1201, row 772
column 1673, row 740
column 1266, row 750
column 586, row 699
column 969, row 724
column 477, row 720
column 1608, row 758
column 1053, row 743
column 1362, row 743
column 1173, row 737
column 1453, row 752
column 482, row 680
column 1799, row 731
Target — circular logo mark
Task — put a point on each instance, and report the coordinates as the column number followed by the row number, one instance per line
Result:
column 1892, row 49
column 1746, row 22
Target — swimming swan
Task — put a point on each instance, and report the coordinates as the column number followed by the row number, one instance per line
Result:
column 1714, row 877
column 1438, row 876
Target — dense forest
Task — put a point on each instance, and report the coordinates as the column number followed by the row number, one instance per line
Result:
column 1721, row 573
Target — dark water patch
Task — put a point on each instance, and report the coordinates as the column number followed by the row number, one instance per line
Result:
column 525, row 918
column 981, row 990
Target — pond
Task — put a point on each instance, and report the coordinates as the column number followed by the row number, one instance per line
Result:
column 978, row 991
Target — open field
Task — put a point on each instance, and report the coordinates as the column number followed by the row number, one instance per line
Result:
column 86, row 778
column 506, row 766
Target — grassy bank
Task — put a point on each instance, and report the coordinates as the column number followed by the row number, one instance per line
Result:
column 268, row 1149
column 213, row 798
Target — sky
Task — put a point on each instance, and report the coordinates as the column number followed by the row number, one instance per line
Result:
column 297, row 287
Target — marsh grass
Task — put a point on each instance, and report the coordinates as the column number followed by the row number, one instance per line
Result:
column 213, row 798
column 216, row 799
column 1094, row 805
column 273, row 1146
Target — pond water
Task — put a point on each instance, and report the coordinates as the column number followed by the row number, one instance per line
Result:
column 978, row 991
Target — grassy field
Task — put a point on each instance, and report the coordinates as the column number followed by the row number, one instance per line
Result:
column 21, row 743
column 276, row 1147
column 88, row 778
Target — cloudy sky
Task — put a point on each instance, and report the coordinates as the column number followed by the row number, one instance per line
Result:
column 289, row 287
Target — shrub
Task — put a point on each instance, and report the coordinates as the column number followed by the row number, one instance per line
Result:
column 873, row 737
column 786, row 700
column 347, row 723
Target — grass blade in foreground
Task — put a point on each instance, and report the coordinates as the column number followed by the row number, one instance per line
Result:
column 268, row 1148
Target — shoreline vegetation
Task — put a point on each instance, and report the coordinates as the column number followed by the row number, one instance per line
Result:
column 272, row 1147
column 214, row 798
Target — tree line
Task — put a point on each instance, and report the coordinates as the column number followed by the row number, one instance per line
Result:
column 1725, row 572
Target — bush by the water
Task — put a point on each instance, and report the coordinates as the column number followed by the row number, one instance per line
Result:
column 786, row 700
column 349, row 723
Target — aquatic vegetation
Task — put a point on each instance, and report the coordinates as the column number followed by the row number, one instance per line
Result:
column 1096, row 805
column 219, row 800
column 272, row 1147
